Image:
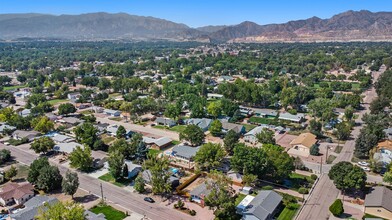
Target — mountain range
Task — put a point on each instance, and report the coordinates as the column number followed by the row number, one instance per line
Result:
column 348, row 26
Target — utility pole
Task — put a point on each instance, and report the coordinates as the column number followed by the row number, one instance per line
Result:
column 321, row 166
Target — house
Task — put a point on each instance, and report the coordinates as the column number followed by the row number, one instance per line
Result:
column 251, row 135
column 384, row 152
column 298, row 118
column 388, row 133
column 30, row 135
column 32, row 207
column 261, row 207
column 146, row 175
column 199, row 193
column 71, row 121
column 112, row 113
column 133, row 169
column 222, row 79
column 203, row 123
column 301, row 145
column 165, row 122
column 246, row 111
column 214, row 96
column 82, row 105
column 379, row 202
column 60, row 138
column 184, row 152
column 102, row 127
column 5, row 128
column 67, row 147
column 263, row 112
column 112, row 131
column 235, row 177
column 22, row 94
column 157, row 143
column 73, row 97
column 25, row 112
column 237, row 128
column 16, row 193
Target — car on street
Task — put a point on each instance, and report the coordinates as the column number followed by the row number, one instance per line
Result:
column 149, row 199
column 363, row 163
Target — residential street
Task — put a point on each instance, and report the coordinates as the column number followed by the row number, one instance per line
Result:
column 325, row 192
column 128, row 200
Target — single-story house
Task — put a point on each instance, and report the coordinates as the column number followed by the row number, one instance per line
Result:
column 246, row 111
column 32, row 207
column 112, row 113
column 301, row 145
column 235, row 177
column 16, row 193
column 388, row 133
column 146, row 175
column 51, row 116
column 73, row 121
column 25, row 112
column 5, row 127
column 67, row 147
column 199, row 193
column 30, row 135
column 225, row 79
column 214, row 96
column 237, row 128
column 203, row 123
column 60, row 138
column 73, row 97
column 133, row 169
column 184, row 152
column 264, row 112
column 251, row 135
column 379, row 202
column 165, row 121
column 384, row 152
column 102, row 127
column 157, row 143
column 112, row 131
column 261, row 207
column 82, row 105
column 298, row 118
column 22, row 94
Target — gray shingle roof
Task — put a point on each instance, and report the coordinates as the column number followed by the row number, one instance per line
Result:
column 200, row 190
column 32, row 206
column 185, row 151
column 264, row 204
column 380, row 196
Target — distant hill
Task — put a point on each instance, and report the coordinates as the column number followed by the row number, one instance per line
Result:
column 347, row 26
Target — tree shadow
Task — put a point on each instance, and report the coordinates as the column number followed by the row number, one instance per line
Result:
column 86, row 198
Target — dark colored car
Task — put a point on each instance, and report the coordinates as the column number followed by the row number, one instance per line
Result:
column 149, row 199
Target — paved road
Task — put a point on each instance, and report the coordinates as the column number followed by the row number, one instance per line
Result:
column 143, row 129
column 325, row 192
column 130, row 201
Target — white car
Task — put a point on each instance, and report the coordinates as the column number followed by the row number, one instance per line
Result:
column 367, row 169
column 363, row 163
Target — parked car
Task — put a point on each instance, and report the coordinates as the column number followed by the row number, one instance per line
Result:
column 149, row 199
column 367, row 169
column 363, row 163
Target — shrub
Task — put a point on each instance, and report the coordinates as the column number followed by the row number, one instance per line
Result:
column 267, row 187
column 293, row 206
column 336, row 208
column 192, row 212
column 314, row 150
column 303, row 190
column 313, row 176
column 292, row 111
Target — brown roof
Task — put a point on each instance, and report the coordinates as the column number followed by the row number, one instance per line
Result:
column 305, row 139
column 16, row 191
column 386, row 144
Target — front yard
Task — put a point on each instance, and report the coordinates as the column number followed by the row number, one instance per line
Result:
column 109, row 178
column 109, row 212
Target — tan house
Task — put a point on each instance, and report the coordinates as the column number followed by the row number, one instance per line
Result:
column 379, row 202
column 301, row 145
column 16, row 193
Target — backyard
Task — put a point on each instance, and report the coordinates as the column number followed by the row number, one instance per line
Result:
column 57, row 101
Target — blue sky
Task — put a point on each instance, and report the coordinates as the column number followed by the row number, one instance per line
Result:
column 197, row 13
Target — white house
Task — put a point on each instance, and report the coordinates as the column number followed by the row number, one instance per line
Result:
column 113, row 113
column 251, row 135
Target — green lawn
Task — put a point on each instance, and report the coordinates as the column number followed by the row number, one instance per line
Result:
column 298, row 181
column 6, row 88
column 107, row 139
column 287, row 214
column 154, row 152
column 178, row 128
column 249, row 127
column 239, row 198
column 109, row 178
column 175, row 142
column 330, row 159
column 109, row 212
column 56, row 101
column 23, row 171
